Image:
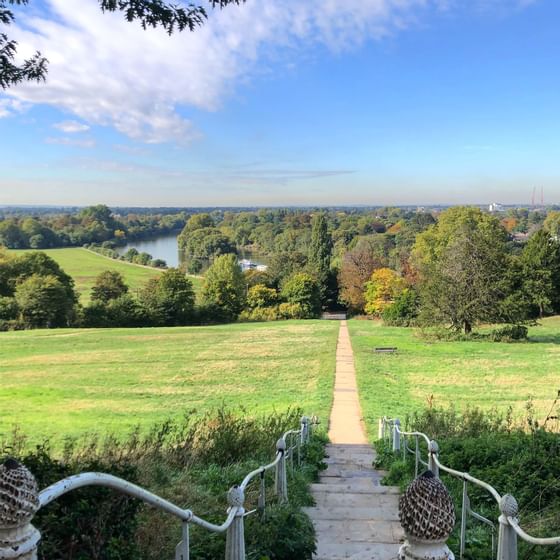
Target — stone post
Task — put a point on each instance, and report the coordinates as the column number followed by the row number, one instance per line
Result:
column 507, row 537
column 396, row 436
column 235, row 538
column 281, row 477
column 427, row 516
column 19, row 501
column 381, row 429
column 433, row 452
column 304, row 430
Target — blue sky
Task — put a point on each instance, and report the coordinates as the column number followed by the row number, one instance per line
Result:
column 283, row 102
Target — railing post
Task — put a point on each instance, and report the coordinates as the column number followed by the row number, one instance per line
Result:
column 381, row 429
column 427, row 516
column 433, row 451
column 19, row 501
column 507, row 537
column 464, row 513
column 416, row 458
column 396, row 436
column 304, row 430
column 182, row 550
column 281, row 478
column 235, row 538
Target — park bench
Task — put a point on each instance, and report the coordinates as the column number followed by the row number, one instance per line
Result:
column 387, row 350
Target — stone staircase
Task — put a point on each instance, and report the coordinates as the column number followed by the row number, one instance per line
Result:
column 354, row 516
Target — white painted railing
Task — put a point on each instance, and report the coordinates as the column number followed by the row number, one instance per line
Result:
column 509, row 529
column 18, row 504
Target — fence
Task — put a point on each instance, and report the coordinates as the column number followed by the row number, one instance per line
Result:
column 20, row 500
column 505, row 545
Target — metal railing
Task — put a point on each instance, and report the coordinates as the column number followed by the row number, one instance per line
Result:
column 508, row 521
column 21, row 542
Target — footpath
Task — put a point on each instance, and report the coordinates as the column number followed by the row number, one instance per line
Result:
column 354, row 516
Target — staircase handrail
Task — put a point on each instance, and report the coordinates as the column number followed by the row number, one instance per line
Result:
column 509, row 528
column 21, row 542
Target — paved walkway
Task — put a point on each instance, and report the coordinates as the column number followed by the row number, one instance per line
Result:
column 354, row 517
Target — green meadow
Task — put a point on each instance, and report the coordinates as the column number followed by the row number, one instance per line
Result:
column 475, row 373
column 64, row 382
column 84, row 266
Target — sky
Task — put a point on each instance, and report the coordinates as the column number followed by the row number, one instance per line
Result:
column 288, row 102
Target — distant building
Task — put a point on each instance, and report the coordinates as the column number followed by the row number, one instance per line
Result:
column 495, row 207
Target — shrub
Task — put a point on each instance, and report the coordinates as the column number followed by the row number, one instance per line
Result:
column 292, row 311
column 191, row 462
column 403, row 311
column 302, row 289
column 522, row 459
column 260, row 314
column 509, row 333
column 261, row 296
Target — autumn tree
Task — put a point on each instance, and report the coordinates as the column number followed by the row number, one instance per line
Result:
column 356, row 269
column 382, row 290
column 462, row 264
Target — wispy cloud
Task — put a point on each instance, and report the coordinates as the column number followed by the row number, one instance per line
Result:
column 74, row 142
column 71, row 127
column 107, row 71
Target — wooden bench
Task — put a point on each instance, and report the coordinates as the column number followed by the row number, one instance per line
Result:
column 389, row 350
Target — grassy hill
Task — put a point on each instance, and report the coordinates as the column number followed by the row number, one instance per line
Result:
column 71, row 381
column 84, row 266
column 476, row 373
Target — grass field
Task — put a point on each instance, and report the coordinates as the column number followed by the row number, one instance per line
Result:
column 84, row 266
column 67, row 382
column 484, row 374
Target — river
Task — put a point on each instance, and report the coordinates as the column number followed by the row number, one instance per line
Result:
column 166, row 247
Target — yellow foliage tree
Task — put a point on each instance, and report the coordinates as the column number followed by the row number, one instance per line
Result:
column 382, row 290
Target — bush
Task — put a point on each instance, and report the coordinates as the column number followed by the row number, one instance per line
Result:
column 522, row 459
column 261, row 296
column 260, row 314
column 302, row 289
column 403, row 311
column 293, row 311
column 191, row 463
column 509, row 333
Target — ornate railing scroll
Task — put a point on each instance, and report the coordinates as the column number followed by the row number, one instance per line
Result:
column 508, row 522
column 20, row 500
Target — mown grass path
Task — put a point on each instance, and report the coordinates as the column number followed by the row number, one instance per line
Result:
column 70, row 381
column 475, row 373
column 84, row 266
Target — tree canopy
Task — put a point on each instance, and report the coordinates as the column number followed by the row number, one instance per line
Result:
column 150, row 13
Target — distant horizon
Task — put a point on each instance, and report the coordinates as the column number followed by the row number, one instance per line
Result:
column 280, row 206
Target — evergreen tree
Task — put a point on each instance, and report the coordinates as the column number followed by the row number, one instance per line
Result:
column 541, row 272
column 319, row 255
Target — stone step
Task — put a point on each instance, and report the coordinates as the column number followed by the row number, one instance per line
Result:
column 347, row 532
column 326, row 498
column 357, row 551
column 360, row 486
column 375, row 512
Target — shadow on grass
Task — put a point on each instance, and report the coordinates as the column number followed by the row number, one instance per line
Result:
column 551, row 338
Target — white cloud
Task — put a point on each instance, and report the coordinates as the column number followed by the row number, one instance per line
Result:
column 109, row 72
column 75, row 142
column 10, row 107
column 71, row 127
